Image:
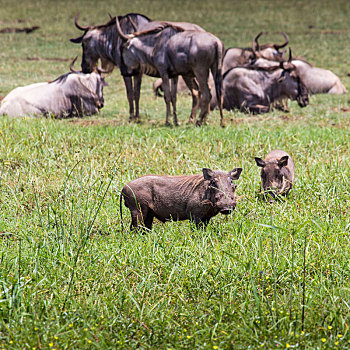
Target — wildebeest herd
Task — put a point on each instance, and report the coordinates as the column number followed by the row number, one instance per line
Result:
column 250, row 79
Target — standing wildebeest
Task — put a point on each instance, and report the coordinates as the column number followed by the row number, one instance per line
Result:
column 196, row 197
column 169, row 51
column 237, row 56
column 103, row 42
column 277, row 173
column 71, row 94
column 255, row 88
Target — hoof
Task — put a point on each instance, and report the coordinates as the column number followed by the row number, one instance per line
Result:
column 167, row 124
column 198, row 123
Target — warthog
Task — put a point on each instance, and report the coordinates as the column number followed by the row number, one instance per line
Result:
column 196, row 197
column 277, row 173
column 71, row 94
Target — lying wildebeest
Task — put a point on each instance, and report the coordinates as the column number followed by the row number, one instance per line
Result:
column 277, row 173
column 318, row 80
column 254, row 89
column 71, row 94
column 103, row 42
column 237, row 56
column 170, row 51
column 196, row 197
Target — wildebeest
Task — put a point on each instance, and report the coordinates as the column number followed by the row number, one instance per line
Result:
column 170, row 51
column 71, row 94
column 103, row 42
column 277, row 173
column 196, row 197
column 318, row 80
column 254, row 89
column 237, row 56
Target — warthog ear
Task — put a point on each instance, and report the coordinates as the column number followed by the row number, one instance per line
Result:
column 235, row 173
column 77, row 40
column 208, row 173
column 260, row 162
column 283, row 161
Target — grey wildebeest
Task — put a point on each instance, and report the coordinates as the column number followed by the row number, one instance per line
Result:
column 103, row 42
column 237, row 56
column 196, row 197
column 318, row 80
column 254, row 89
column 169, row 51
column 277, row 173
column 71, row 94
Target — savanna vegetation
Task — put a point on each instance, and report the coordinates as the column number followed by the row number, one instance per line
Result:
column 270, row 275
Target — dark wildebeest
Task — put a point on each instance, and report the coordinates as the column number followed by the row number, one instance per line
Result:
column 254, row 89
column 277, row 173
column 103, row 42
column 196, row 197
column 169, row 51
column 71, row 94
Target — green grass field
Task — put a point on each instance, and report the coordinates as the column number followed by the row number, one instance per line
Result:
column 71, row 279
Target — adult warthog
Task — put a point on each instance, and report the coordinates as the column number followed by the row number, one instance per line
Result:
column 196, row 197
column 71, row 95
column 169, row 51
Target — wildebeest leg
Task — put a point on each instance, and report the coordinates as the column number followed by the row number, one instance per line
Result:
column 130, row 95
column 205, row 96
column 193, row 87
column 173, row 98
column 137, row 92
column 167, row 97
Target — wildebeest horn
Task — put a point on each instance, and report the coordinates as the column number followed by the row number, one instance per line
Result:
column 119, row 30
column 277, row 47
column 104, row 71
column 72, row 66
column 78, row 25
column 255, row 46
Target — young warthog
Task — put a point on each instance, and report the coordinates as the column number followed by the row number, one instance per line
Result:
column 277, row 173
column 196, row 197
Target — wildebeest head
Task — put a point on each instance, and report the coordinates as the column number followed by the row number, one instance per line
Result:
column 94, row 84
column 273, row 175
column 291, row 84
column 221, row 190
column 269, row 51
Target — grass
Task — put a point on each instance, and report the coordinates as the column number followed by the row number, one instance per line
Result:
column 71, row 279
